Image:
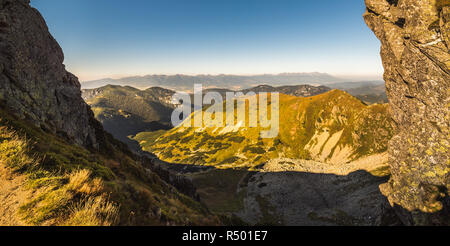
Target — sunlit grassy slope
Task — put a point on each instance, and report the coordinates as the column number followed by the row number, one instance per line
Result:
column 58, row 183
column 333, row 127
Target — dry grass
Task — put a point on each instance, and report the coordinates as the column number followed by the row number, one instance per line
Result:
column 94, row 211
column 80, row 182
column 73, row 198
column 14, row 151
column 80, row 202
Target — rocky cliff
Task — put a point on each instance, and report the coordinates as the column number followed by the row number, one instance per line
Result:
column 415, row 44
column 33, row 81
column 48, row 133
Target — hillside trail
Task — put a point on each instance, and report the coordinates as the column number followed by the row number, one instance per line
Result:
column 12, row 196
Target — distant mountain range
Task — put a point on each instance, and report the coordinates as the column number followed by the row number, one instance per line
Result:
column 234, row 82
column 368, row 91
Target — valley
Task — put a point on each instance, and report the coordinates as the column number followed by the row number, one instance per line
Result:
column 294, row 195
column 324, row 168
column 333, row 128
column 126, row 111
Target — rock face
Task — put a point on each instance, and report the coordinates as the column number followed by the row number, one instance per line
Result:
column 34, row 84
column 415, row 51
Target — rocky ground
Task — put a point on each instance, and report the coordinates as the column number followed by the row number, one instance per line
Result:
column 296, row 198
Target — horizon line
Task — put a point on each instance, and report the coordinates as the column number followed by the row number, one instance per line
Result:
column 337, row 76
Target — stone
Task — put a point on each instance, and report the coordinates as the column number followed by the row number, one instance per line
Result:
column 414, row 37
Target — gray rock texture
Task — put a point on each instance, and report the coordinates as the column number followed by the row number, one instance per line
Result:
column 415, row 44
column 34, row 83
column 309, row 199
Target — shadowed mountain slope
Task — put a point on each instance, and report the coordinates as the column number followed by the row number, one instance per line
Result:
column 126, row 111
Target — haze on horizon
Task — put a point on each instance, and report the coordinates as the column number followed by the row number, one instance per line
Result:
column 114, row 39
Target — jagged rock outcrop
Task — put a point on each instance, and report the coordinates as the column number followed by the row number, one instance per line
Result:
column 34, row 83
column 415, row 51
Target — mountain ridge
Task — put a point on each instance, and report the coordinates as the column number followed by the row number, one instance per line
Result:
column 125, row 110
column 186, row 82
column 306, row 127
column 324, row 168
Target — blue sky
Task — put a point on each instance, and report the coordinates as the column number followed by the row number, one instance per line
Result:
column 116, row 38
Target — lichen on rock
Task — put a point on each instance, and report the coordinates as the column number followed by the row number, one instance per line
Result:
column 415, row 43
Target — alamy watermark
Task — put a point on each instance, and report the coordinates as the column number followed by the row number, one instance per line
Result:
column 237, row 111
